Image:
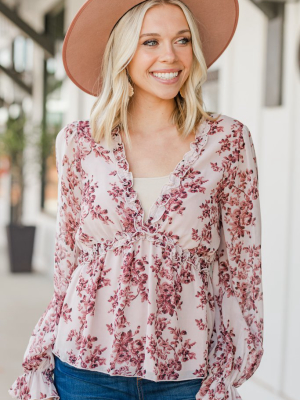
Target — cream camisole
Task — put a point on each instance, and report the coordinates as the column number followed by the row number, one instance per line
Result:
column 148, row 190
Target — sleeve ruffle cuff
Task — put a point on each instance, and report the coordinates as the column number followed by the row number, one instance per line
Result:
column 35, row 385
column 214, row 388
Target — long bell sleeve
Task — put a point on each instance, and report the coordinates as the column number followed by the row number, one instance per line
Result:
column 38, row 362
column 236, row 345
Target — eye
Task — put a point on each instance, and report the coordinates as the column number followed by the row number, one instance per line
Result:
column 187, row 40
column 149, row 41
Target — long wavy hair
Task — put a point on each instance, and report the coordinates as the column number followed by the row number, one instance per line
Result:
column 110, row 107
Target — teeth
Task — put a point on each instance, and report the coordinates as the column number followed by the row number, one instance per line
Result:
column 169, row 75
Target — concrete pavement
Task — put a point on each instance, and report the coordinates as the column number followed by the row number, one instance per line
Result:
column 23, row 299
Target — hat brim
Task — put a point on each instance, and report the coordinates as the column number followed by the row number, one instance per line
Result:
column 88, row 33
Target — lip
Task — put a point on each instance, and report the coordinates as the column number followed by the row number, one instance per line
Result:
column 165, row 81
column 166, row 70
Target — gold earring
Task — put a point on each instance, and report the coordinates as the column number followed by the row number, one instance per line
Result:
column 130, row 89
column 181, row 93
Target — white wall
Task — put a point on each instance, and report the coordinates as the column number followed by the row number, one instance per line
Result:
column 276, row 135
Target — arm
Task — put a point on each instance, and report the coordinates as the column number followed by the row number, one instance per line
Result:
column 38, row 363
column 236, row 345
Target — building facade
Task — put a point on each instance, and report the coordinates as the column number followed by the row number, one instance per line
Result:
column 256, row 80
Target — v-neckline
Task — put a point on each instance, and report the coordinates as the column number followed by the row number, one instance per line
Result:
column 158, row 207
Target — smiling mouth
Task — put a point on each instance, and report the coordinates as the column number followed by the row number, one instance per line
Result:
column 163, row 79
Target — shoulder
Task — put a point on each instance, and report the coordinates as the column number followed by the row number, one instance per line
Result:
column 67, row 142
column 229, row 131
column 71, row 133
column 66, row 132
column 227, row 124
column 73, row 129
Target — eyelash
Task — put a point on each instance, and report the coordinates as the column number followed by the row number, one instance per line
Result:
column 153, row 40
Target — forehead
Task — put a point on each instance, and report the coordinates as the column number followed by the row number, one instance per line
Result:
column 164, row 18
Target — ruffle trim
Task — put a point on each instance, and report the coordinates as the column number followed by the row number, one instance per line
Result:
column 34, row 385
column 175, row 177
column 217, row 388
column 200, row 262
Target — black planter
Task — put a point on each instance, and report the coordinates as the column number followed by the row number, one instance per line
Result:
column 20, row 239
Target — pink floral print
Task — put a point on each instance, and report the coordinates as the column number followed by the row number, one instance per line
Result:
column 176, row 297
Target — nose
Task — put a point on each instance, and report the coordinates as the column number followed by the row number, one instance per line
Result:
column 168, row 53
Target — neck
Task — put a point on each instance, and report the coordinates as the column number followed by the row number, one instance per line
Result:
column 149, row 115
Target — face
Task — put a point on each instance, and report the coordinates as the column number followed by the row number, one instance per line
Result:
column 163, row 48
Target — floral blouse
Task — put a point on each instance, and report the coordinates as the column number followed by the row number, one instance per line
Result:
column 175, row 297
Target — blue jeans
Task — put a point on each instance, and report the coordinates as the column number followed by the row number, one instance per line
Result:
column 78, row 384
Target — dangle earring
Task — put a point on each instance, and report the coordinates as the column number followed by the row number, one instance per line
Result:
column 130, row 88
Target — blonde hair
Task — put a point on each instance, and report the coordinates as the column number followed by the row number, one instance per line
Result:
column 110, row 108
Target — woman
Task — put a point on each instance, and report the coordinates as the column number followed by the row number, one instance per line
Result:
column 157, row 285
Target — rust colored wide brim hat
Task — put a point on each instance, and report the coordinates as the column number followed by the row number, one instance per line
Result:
column 88, row 33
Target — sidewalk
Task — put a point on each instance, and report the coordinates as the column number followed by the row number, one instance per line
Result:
column 23, row 299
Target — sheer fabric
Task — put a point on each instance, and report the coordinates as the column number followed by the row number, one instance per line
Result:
column 173, row 296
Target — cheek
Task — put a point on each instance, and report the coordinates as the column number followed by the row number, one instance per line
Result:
column 187, row 57
column 145, row 60
column 141, row 65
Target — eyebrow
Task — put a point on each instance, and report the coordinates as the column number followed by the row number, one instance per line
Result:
column 157, row 34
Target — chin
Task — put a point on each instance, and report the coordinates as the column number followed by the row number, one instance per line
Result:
column 166, row 96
